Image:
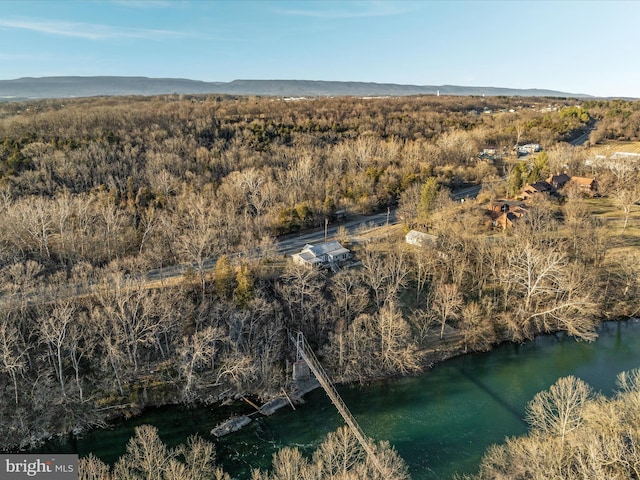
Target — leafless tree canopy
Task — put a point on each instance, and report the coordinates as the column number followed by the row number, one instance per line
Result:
column 138, row 259
column 574, row 434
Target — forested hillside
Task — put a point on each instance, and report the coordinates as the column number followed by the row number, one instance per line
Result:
column 95, row 193
column 69, row 86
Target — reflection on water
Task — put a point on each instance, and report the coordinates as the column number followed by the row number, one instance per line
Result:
column 440, row 422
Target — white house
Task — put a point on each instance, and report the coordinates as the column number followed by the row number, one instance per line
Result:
column 529, row 148
column 321, row 255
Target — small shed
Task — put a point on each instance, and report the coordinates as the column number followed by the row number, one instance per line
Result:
column 420, row 239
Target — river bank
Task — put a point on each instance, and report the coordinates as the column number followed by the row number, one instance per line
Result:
column 149, row 392
column 440, row 422
column 240, row 403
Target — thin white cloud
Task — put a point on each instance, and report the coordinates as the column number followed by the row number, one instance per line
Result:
column 349, row 10
column 87, row 31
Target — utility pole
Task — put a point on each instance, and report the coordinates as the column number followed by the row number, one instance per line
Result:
column 388, row 213
column 326, row 224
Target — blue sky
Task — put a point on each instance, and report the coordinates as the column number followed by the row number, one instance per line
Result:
column 574, row 46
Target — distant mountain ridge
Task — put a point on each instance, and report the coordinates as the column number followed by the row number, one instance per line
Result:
column 65, row 87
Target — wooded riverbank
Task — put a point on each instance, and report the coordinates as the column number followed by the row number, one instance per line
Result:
column 439, row 422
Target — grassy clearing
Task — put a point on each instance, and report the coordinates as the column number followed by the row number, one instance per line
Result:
column 623, row 245
column 610, row 148
column 612, row 218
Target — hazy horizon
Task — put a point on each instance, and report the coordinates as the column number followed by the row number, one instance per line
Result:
column 575, row 47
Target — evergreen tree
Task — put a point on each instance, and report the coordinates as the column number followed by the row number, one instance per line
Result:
column 244, row 290
column 538, row 168
column 516, row 179
column 223, row 274
column 428, row 196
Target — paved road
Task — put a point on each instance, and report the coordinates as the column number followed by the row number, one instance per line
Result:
column 582, row 139
column 285, row 246
column 468, row 192
column 294, row 243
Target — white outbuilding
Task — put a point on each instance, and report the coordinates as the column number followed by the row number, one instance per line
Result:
column 420, row 239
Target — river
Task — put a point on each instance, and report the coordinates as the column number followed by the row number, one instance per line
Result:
column 439, row 422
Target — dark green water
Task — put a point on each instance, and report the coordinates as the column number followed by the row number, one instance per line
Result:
column 440, row 422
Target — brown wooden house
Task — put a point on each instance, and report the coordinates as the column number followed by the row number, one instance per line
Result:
column 587, row 185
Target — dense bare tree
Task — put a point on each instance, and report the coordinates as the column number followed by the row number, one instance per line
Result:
column 237, row 369
column 575, row 435
column 300, row 287
column 198, row 240
column 398, row 268
column 146, row 456
column 197, row 352
column 477, row 332
column 53, row 332
column 557, row 411
column 199, row 460
column 19, row 280
column 447, row 303
column 547, row 292
column 111, row 345
column 350, row 296
column 148, row 223
column 338, row 457
column 374, row 345
column 12, row 352
column 131, row 312
column 80, row 344
column 376, row 272
column 92, row 468
column 424, row 260
column 113, row 223
column 397, row 351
